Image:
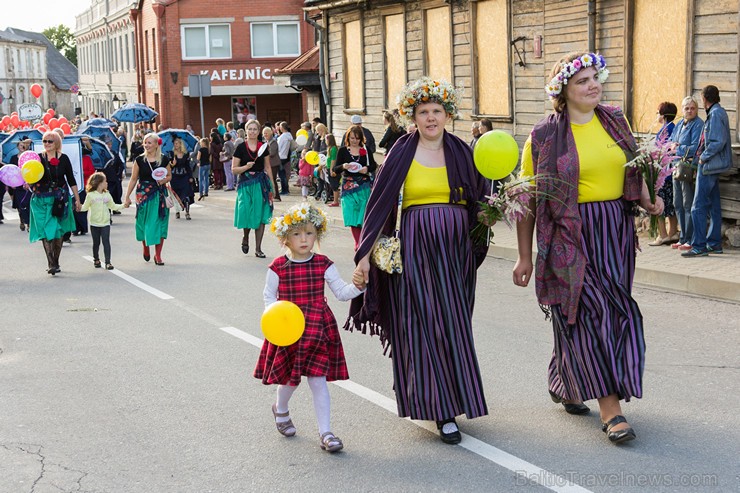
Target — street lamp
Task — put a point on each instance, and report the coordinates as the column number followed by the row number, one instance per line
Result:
column 116, row 102
column 10, row 102
column 79, row 97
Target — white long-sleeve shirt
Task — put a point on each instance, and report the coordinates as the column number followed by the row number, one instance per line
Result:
column 342, row 290
column 284, row 143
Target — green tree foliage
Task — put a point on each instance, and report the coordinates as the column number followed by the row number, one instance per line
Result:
column 63, row 40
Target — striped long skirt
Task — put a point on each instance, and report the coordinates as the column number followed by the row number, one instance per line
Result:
column 604, row 352
column 435, row 368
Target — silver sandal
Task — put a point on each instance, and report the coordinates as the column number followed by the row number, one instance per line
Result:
column 330, row 443
column 285, row 428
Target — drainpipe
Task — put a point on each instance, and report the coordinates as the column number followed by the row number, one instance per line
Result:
column 164, row 89
column 322, row 53
column 135, row 15
column 591, row 26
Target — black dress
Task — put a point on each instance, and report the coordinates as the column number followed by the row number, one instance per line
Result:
column 182, row 179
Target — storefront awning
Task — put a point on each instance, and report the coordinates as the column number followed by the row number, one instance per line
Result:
column 303, row 72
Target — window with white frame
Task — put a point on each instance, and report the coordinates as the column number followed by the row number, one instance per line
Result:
column 206, row 41
column 275, row 39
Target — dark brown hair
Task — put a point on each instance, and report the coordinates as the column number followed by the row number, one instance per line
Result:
column 559, row 102
column 355, row 130
column 667, row 110
column 711, row 94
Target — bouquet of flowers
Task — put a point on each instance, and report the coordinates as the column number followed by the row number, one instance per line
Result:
column 510, row 204
column 653, row 160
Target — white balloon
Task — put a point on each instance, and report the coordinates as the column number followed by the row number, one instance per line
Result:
column 301, row 140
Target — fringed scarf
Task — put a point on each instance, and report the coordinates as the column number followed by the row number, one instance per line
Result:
column 370, row 312
column 561, row 262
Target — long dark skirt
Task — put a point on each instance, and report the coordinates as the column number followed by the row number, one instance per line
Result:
column 604, row 352
column 435, row 368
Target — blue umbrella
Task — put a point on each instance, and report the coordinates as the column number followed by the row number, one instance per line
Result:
column 168, row 139
column 100, row 156
column 134, row 113
column 105, row 134
column 9, row 146
column 96, row 122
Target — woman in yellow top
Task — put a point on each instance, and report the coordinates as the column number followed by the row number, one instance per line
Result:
column 586, row 243
column 424, row 314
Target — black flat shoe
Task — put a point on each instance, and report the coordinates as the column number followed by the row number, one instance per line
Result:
column 158, row 261
column 451, row 438
column 245, row 248
column 570, row 408
column 259, row 254
column 619, row 436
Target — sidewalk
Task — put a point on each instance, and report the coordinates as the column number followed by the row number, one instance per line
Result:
column 715, row 276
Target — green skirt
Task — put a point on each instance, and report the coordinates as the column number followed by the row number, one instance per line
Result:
column 353, row 207
column 44, row 226
column 150, row 228
column 251, row 210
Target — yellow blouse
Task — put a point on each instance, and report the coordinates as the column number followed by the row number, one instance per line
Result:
column 426, row 185
column 601, row 162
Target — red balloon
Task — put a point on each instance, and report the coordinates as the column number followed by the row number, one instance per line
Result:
column 42, row 129
column 6, row 120
column 46, row 118
column 38, row 125
column 53, row 123
column 36, row 90
column 50, row 111
column 66, row 128
column 63, row 120
column 14, row 120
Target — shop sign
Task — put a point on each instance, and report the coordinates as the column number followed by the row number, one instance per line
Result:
column 30, row 112
column 256, row 73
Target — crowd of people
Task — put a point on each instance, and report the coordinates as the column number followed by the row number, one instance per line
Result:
column 427, row 192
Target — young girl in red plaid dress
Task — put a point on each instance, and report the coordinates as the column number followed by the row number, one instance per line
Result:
column 299, row 277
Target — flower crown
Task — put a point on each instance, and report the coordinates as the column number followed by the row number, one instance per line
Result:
column 568, row 70
column 297, row 216
column 426, row 90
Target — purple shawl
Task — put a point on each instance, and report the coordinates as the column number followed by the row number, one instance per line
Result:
column 372, row 310
column 561, row 262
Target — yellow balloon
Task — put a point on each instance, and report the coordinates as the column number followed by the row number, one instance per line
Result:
column 496, row 154
column 32, row 171
column 302, row 132
column 283, row 323
column 312, row 157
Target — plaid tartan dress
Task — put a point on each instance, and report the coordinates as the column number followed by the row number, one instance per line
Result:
column 319, row 351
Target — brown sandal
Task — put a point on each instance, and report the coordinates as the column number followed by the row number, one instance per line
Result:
column 285, row 428
column 330, row 443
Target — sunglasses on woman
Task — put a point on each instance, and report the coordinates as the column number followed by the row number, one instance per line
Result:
column 47, row 141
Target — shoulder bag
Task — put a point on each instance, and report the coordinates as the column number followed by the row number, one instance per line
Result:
column 386, row 254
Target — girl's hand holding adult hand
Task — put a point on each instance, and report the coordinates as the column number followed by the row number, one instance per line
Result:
column 522, row 272
column 127, row 203
column 362, row 271
column 358, row 280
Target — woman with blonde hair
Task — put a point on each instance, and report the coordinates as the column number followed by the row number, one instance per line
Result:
column 51, row 211
column 152, row 213
column 182, row 177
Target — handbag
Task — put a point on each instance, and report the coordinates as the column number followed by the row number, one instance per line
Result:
column 684, row 171
column 222, row 157
column 386, row 254
column 58, row 207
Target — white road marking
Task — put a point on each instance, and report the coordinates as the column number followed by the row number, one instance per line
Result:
column 156, row 292
column 493, row 454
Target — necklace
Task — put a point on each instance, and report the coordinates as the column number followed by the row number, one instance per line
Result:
column 252, row 155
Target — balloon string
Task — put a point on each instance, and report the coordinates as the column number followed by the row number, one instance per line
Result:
column 488, row 234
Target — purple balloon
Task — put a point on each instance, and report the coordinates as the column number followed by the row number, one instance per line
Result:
column 27, row 156
column 11, row 175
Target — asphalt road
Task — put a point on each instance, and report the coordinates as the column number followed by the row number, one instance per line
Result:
column 109, row 386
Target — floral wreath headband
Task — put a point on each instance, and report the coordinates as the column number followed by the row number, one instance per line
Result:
column 428, row 90
column 568, row 70
column 297, row 216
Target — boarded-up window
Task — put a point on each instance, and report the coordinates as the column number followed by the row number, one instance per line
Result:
column 658, row 59
column 438, row 43
column 354, row 81
column 492, row 57
column 395, row 59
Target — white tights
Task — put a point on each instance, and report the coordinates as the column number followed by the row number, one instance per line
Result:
column 321, row 401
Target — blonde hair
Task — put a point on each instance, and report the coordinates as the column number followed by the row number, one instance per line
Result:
column 51, row 134
column 158, row 149
column 252, row 122
column 179, row 145
column 268, row 133
column 94, row 181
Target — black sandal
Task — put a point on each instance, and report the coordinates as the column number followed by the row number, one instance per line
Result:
column 96, row 263
column 452, row 438
column 109, row 266
column 619, row 436
column 577, row 409
column 259, row 254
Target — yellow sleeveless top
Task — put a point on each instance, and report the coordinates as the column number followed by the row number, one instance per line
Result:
column 426, row 185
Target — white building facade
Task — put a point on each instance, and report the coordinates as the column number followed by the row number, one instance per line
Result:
column 22, row 64
column 106, row 56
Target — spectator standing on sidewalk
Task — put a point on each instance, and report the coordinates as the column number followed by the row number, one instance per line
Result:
column 475, row 132
column 369, row 138
column 226, row 155
column 666, row 114
column 285, row 147
column 715, row 157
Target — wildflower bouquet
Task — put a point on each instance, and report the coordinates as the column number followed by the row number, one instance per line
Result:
column 653, row 160
column 510, row 204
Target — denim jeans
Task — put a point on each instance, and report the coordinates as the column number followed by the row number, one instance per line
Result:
column 683, row 199
column 706, row 202
column 284, row 164
column 204, row 179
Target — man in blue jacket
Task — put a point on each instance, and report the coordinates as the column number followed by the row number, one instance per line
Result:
column 715, row 157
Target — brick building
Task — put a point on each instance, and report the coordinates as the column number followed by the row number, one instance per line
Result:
column 239, row 44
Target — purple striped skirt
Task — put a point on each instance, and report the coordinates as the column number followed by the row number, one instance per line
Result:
column 435, row 368
column 604, row 352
